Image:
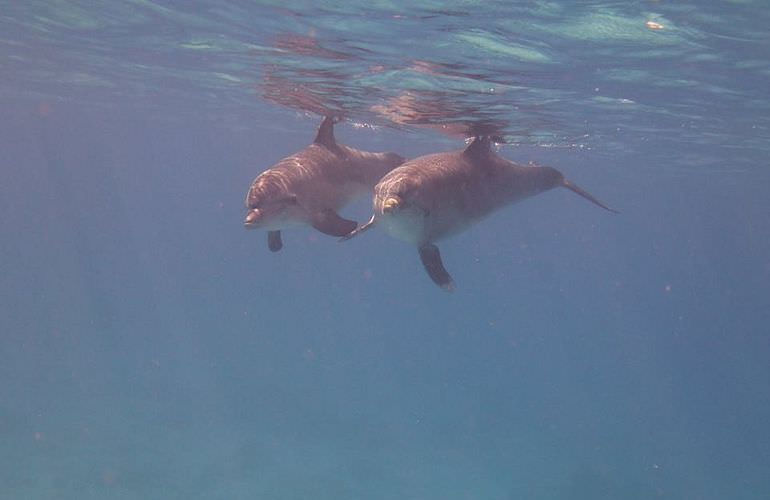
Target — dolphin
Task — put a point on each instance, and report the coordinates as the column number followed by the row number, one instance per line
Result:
column 310, row 186
column 437, row 195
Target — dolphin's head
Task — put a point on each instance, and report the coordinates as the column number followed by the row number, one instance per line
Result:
column 269, row 205
column 396, row 193
column 389, row 197
column 391, row 204
column 403, row 215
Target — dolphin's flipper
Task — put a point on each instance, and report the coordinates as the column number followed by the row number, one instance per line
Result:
column 274, row 242
column 585, row 194
column 431, row 260
column 329, row 222
column 359, row 229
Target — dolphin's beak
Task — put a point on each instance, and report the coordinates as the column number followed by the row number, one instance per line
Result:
column 390, row 205
column 251, row 219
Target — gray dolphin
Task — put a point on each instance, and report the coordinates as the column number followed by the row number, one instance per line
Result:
column 434, row 196
column 309, row 187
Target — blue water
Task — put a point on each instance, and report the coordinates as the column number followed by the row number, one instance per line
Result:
column 151, row 348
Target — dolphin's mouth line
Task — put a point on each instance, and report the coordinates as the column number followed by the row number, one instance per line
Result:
column 252, row 217
column 257, row 217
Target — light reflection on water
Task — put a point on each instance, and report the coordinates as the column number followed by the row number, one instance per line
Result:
column 538, row 73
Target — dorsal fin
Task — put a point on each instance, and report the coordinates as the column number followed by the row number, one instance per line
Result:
column 480, row 146
column 325, row 135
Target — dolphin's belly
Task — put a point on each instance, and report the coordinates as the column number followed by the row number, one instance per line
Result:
column 406, row 226
column 443, row 223
column 286, row 222
column 418, row 228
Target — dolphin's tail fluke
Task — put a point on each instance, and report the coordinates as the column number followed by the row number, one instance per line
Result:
column 585, row 194
column 359, row 229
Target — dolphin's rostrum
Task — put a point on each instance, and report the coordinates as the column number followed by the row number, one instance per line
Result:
column 310, row 186
column 434, row 196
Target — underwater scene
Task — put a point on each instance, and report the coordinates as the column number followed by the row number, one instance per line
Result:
column 437, row 250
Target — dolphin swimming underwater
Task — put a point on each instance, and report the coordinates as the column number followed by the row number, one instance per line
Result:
column 310, row 186
column 437, row 195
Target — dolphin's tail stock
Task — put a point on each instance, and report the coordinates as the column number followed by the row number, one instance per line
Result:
column 585, row 194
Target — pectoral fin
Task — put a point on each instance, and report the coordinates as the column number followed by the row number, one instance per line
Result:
column 431, row 260
column 274, row 242
column 360, row 229
column 329, row 222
